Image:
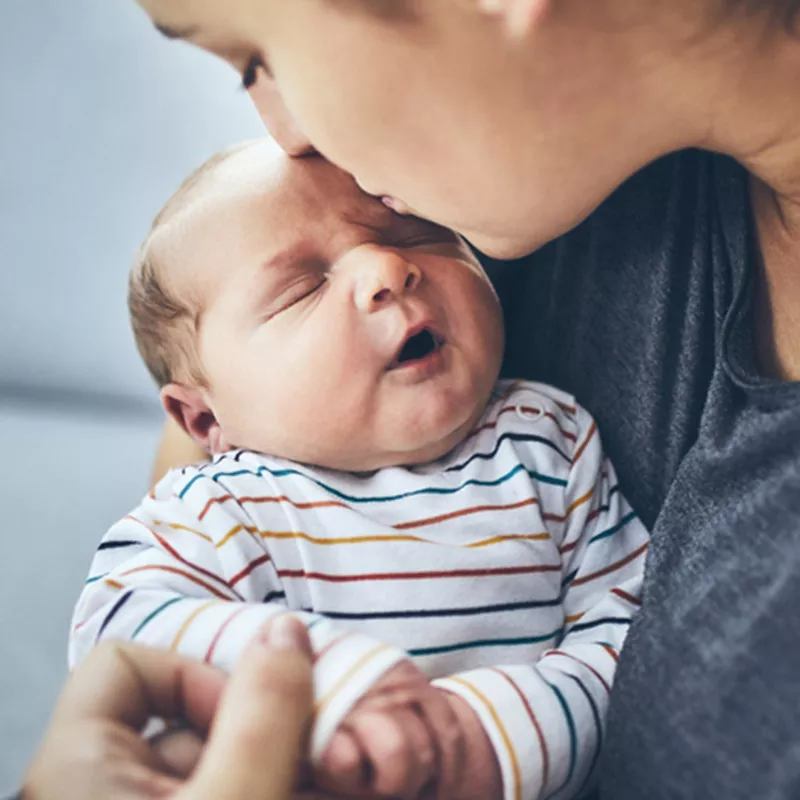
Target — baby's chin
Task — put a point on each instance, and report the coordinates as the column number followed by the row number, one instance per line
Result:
column 404, row 453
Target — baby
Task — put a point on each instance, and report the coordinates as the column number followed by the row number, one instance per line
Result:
column 457, row 546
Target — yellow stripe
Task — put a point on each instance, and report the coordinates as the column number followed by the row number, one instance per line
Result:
column 341, row 540
column 510, row 537
column 533, row 537
column 178, row 527
column 113, row 584
column 365, row 659
column 503, row 733
column 574, row 617
column 580, row 501
column 190, row 619
column 232, row 532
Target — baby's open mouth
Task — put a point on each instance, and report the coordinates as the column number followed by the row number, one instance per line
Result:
column 417, row 347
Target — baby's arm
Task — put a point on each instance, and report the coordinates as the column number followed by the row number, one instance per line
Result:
column 409, row 739
column 173, row 577
column 546, row 720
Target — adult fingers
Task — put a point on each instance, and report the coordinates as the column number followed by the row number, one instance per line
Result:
column 257, row 736
column 129, row 684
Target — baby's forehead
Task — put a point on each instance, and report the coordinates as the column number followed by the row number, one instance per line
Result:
column 263, row 172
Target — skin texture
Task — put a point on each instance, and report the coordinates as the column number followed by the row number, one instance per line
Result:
column 408, row 739
column 567, row 100
column 94, row 750
column 306, row 290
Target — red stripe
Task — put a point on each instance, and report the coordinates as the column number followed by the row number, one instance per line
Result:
column 612, row 567
column 625, row 596
column 218, row 635
column 584, row 664
column 269, row 499
column 249, row 568
column 404, row 526
column 175, row 554
column 534, row 722
column 582, row 448
column 410, row 576
column 183, row 573
column 328, row 647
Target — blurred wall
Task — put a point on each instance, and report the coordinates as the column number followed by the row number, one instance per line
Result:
column 101, row 119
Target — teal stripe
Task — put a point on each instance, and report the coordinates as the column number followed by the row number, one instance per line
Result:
column 573, row 739
column 449, row 648
column 537, row 476
column 154, row 614
column 96, row 578
column 618, row 527
column 282, row 473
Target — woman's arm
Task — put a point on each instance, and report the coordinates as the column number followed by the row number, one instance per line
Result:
column 175, row 450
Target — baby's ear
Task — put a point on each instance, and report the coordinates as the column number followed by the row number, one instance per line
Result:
column 188, row 406
column 519, row 17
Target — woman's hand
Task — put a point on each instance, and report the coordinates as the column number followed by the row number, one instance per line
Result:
column 94, row 749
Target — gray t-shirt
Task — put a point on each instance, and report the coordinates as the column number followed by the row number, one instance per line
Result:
column 644, row 312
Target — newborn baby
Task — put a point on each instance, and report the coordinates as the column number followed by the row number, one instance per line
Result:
column 458, row 546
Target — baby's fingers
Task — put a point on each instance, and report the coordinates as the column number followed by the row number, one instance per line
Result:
column 344, row 768
column 399, row 748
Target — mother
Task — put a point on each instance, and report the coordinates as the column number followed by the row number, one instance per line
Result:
column 667, row 301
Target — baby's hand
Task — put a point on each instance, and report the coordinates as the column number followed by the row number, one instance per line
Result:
column 407, row 739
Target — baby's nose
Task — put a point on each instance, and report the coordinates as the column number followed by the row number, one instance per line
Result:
column 385, row 279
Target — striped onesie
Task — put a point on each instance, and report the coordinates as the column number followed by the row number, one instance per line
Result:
column 508, row 570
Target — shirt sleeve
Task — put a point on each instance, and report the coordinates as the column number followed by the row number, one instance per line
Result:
column 166, row 577
column 546, row 721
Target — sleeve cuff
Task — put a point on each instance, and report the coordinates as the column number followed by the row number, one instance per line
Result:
column 346, row 666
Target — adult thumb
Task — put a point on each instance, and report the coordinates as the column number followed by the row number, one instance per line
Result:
column 255, row 743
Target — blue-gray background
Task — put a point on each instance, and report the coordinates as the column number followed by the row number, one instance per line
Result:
column 100, row 120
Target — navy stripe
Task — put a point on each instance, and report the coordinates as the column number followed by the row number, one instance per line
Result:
column 120, row 543
column 598, row 726
column 511, row 437
column 114, row 609
column 270, row 596
column 441, row 612
column 450, row 648
column 568, row 580
column 585, row 626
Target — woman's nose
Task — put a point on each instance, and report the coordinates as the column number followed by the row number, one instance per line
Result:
column 281, row 125
column 383, row 279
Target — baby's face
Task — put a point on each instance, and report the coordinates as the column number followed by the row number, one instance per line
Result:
column 331, row 330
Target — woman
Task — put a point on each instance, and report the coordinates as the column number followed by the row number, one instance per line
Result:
column 665, row 300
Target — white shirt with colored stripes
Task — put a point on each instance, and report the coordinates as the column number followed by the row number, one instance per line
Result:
column 509, row 571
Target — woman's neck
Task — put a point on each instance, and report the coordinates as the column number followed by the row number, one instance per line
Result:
column 754, row 116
